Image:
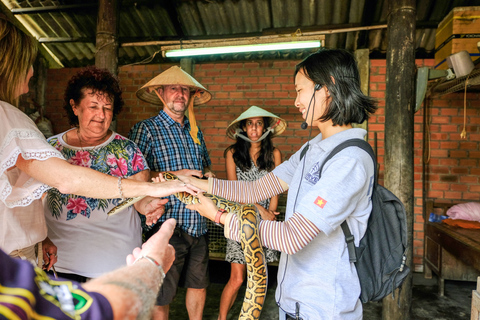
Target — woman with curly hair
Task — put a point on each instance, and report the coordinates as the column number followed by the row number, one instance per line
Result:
column 90, row 242
column 251, row 157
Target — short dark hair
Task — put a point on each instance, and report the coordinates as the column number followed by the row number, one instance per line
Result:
column 98, row 80
column 337, row 70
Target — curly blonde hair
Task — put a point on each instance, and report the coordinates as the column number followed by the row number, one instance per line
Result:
column 17, row 54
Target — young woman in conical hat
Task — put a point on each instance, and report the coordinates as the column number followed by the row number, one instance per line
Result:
column 251, row 157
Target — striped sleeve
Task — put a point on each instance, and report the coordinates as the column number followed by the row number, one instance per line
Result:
column 288, row 237
column 247, row 191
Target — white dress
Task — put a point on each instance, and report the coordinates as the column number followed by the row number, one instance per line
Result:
column 22, row 223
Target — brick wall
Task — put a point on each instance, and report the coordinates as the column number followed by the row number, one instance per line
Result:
column 453, row 164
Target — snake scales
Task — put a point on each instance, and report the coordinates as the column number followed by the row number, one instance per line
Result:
column 252, row 248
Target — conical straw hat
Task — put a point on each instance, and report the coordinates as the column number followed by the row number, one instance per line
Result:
column 278, row 125
column 173, row 76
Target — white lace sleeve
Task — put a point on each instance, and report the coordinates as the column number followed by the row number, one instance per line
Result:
column 19, row 135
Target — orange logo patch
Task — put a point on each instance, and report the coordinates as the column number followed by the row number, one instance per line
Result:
column 320, row 202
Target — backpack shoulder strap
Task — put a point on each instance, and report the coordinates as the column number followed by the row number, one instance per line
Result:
column 304, row 151
column 362, row 144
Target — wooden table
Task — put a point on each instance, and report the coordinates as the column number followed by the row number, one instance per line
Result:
column 452, row 253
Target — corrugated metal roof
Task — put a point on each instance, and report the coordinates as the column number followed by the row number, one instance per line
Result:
column 68, row 32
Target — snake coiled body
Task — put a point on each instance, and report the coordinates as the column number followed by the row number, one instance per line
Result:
column 251, row 246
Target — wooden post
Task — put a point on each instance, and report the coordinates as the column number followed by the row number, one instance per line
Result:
column 187, row 65
column 399, row 111
column 363, row 63
column 106, row 56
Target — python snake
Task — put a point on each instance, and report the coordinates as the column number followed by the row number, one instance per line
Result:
column 251, row 246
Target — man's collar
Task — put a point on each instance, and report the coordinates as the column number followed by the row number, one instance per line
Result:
column 170, row 122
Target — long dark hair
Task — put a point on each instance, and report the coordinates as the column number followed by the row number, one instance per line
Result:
column 241, row 150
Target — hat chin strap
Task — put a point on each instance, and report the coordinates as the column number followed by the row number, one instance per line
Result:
column 191, row 115
column 238, row 134
column 160, row 97
column 191, row 118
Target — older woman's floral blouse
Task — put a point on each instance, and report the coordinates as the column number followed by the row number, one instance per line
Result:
column 119, row 158
column 89, row 241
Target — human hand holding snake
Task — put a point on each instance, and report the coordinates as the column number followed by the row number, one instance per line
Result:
column 152, row 208
column 206, row 207
column 267, row 214
column 201, row 184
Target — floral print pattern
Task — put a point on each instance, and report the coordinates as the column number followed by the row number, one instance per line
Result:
column 118, row 157
column 81, row 158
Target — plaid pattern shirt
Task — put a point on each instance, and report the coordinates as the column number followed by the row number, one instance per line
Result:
column 167, row 146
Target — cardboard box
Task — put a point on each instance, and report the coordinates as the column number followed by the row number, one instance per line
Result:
column 459, row 30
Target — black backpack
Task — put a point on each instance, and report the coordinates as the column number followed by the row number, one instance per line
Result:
column 380, row 259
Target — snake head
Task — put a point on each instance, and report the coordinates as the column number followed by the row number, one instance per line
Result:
column 169, row 176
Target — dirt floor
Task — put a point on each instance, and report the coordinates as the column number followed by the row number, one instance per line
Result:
column 426, row 303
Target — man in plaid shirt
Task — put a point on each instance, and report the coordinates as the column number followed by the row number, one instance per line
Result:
column 172, row 142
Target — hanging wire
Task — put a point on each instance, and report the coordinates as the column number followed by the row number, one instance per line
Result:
column 426, row 107
column 463, row 135
column 147, row 60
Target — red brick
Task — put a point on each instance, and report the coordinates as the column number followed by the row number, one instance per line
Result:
column 272, row 72
column 250, row 80
column 378, row 63
column 265, row 79
column 375, row 78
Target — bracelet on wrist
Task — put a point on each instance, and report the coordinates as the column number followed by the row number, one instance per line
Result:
column 154, row 262
column 218, row 216
column 119, row 185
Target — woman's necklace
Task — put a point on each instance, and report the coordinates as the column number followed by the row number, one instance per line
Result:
column 95, row 146
column 79, row 139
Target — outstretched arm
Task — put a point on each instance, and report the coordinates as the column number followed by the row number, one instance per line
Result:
column 271, row 212
column 241, row 191
column 132, row 290
column 72, row 179
column 289, row 236
column 248, row 191
column 277, row 157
